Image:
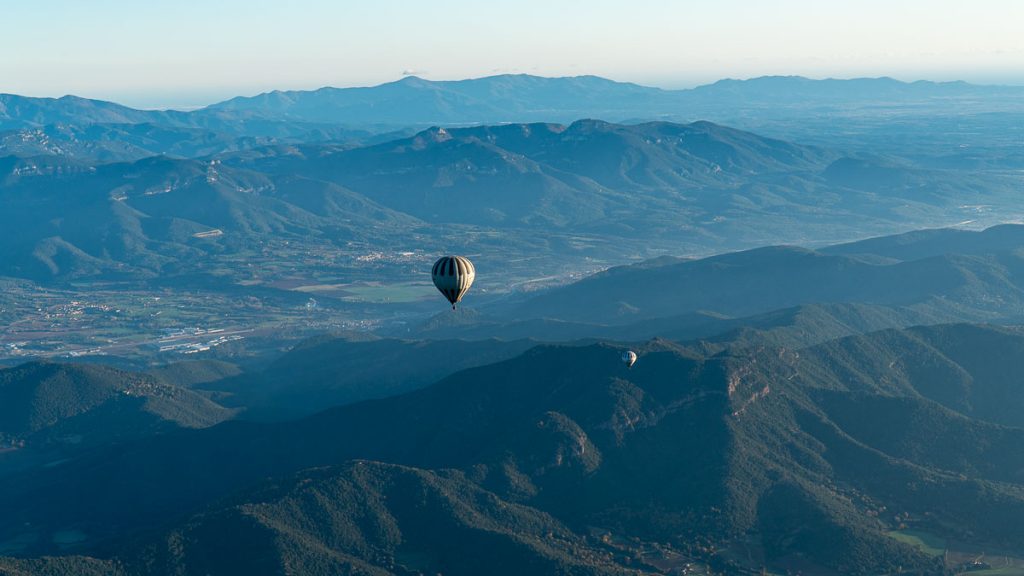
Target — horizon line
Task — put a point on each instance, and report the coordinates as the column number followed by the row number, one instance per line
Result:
column 407, row 77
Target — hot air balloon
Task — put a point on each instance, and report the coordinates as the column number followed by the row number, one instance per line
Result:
column 629, row 358
column 453, row 275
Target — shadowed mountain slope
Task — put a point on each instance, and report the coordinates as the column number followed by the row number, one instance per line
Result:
column 763, row 446
column 329, row 371
column 982, row 279
column 374, row 519
column 43, row 402
column 52, row 412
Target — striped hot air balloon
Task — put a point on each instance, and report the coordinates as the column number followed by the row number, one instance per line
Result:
column 453, row 275
column 629, row 358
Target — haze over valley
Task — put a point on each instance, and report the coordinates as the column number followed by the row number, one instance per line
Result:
column 193, row 222
column 509, row 322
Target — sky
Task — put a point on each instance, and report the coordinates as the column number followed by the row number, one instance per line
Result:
column 188, row 53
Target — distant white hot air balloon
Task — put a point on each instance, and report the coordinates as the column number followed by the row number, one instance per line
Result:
column 629, row 358
column 453, row 275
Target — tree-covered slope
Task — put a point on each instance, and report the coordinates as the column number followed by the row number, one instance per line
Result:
column 811, row 454
column 68, row 407
column 374, row 519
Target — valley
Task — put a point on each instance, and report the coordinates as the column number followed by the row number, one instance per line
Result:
column 299, row 239
column 222, row 352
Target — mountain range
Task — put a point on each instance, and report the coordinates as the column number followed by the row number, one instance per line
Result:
column 509, row 191
column 922, row 277
column 765, row 457
column 810, row 425
column 787, row 276
column 782, row 106
column 490, row 100
column 801, row 403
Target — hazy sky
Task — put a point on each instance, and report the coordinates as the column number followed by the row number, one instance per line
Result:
column 189, row 52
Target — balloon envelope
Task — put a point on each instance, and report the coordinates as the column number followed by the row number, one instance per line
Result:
column 629, row 358
column 453, row 275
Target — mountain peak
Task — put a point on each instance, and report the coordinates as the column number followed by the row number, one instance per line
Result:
column 413, row 81
column 435, row 134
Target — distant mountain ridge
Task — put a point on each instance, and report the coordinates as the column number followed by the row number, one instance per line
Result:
column 845, row 89
column 519, row 98
column 507, row 98
column 486, row 100
column 787, row 107
column 26, row 111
